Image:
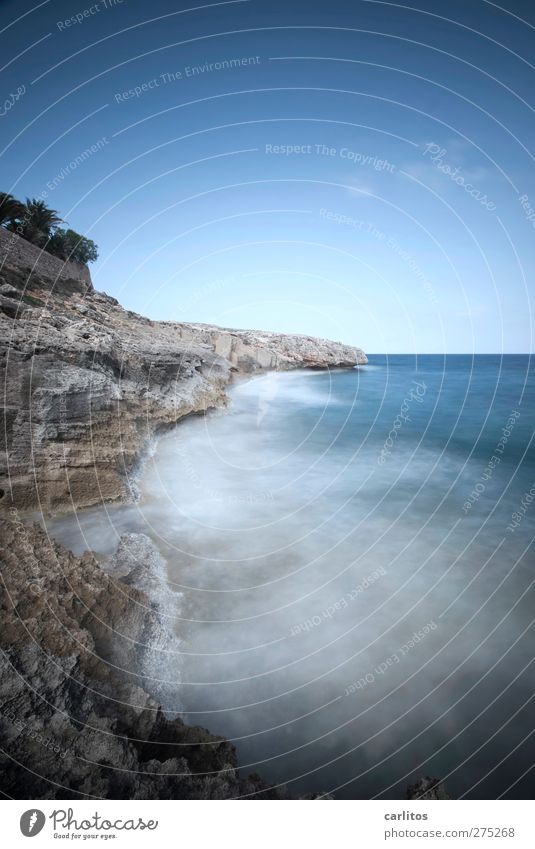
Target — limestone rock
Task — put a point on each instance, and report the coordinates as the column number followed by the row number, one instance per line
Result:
column 87, row 383
column 90, row 663
column 75, row 717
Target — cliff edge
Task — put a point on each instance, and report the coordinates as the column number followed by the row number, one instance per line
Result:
column 87, row 383
column 86, row 654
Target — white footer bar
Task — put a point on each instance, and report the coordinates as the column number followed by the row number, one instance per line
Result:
column 269, row 825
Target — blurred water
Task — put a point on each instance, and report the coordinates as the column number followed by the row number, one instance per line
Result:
column 311, row 530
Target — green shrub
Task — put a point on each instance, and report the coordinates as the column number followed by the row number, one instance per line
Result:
column 37, row 223
column 69, row 245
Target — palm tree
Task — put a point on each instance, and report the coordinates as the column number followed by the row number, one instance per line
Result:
column 11, row 209
column 38, row 222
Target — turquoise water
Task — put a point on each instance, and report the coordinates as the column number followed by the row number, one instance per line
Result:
column 353, row 555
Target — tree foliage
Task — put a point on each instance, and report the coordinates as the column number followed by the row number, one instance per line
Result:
column 39, row 224
column 67, row 244
column 11, row 209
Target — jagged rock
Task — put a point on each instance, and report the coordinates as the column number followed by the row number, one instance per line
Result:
column 88, row 383
column 75, row 717
column 11, row 307
column 9, row 291
column 427, row 788
column 86, row 646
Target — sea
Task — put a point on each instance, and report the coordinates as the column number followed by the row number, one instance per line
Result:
column 351, row 558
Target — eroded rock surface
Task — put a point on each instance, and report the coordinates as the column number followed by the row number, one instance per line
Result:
column 88, row 657
column 87, row 383
column 75, row 715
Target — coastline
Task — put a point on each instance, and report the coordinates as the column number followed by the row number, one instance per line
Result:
column 88, row 383
column 89, row 386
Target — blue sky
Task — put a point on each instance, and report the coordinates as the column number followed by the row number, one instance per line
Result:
column 362, row 170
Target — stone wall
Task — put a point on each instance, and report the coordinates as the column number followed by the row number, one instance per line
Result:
column 22, row 259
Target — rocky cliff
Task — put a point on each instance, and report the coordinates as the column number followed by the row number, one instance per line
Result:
column 80, row 648
column 87, row 383
column 87, row 661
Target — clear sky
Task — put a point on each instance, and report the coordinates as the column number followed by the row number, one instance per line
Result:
column 357, row 170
